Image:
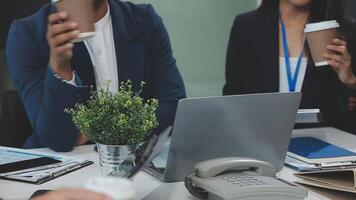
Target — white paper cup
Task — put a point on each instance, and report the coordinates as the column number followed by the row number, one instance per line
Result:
column 319, row 35
column 116, row 188
column 82, row 12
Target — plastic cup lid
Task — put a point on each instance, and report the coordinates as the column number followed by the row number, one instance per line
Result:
column 116, row 188
column 321, row 26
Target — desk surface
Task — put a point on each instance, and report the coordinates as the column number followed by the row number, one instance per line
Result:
column 145, row 184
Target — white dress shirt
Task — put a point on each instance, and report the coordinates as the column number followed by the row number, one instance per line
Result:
column 102, row 52
column 283, row 78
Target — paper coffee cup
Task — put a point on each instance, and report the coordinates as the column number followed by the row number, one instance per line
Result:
column 319, row 35
column 81, row 12
column 116, row 188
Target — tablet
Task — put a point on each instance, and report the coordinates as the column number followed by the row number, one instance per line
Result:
column 27, row 164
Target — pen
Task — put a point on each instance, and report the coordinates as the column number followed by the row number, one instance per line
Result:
column 64, row 168
column 60, row 173
column 50, row 177
column 55, row 167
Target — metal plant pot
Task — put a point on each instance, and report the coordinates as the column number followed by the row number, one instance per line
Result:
column 118, row 160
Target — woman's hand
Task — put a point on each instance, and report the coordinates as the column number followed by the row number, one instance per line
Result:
column 72, row 194
column 341, row 62
column 351, row 106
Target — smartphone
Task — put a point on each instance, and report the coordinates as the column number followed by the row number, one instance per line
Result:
column 27, row 164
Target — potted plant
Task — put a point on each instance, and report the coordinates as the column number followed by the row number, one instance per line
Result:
column 118, row 123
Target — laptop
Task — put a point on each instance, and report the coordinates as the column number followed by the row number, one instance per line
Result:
column 255, row 126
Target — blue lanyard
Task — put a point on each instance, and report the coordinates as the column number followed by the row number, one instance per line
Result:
column 292, row 81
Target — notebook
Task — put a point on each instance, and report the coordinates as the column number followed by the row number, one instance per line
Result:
column 314, row 151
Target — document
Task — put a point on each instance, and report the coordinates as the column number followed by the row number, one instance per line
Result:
column 299, row 165
column 8, row 155
column 38, row 175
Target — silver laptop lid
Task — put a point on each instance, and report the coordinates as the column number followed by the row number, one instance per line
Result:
column 256, row 126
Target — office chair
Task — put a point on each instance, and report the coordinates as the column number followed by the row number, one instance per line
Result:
column 16, row 9
column 16, row 127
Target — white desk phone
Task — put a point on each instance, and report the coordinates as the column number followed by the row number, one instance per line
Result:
column 240, row 179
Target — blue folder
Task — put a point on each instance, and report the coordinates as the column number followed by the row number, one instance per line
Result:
column 313, row 148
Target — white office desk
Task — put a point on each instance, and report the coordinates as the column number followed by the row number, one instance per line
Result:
column 145, row 184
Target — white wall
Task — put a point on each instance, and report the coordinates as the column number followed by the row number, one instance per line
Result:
column 199, row 31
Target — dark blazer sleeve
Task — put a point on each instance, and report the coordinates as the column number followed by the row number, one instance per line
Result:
column 167, row 83
column 234, row 71
column 45, row 97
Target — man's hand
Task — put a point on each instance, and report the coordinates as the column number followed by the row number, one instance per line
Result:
column 60, row 33
column 82, row 139
column 72, row 194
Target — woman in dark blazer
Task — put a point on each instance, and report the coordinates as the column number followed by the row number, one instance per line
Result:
column 256, row 62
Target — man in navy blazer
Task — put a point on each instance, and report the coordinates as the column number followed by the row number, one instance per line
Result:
column 52, row 74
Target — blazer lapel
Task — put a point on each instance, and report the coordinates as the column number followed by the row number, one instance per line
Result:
column 270, row 72
column 130, row 48
column 82, row 65
column 311, row 85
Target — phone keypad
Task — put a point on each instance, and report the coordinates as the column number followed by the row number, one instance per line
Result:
column 244, row 181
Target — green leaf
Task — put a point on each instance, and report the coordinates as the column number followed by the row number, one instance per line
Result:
column 116, row 119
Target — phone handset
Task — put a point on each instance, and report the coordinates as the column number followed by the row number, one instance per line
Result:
column 217, row 166
column 240, row 179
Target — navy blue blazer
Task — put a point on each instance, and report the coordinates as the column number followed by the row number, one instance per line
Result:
column 144, row 53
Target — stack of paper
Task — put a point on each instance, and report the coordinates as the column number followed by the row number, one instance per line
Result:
column 323, row 166
column 308, row 116
column 41, row 174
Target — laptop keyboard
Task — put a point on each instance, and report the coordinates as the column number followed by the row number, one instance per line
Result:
column 159, row 170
